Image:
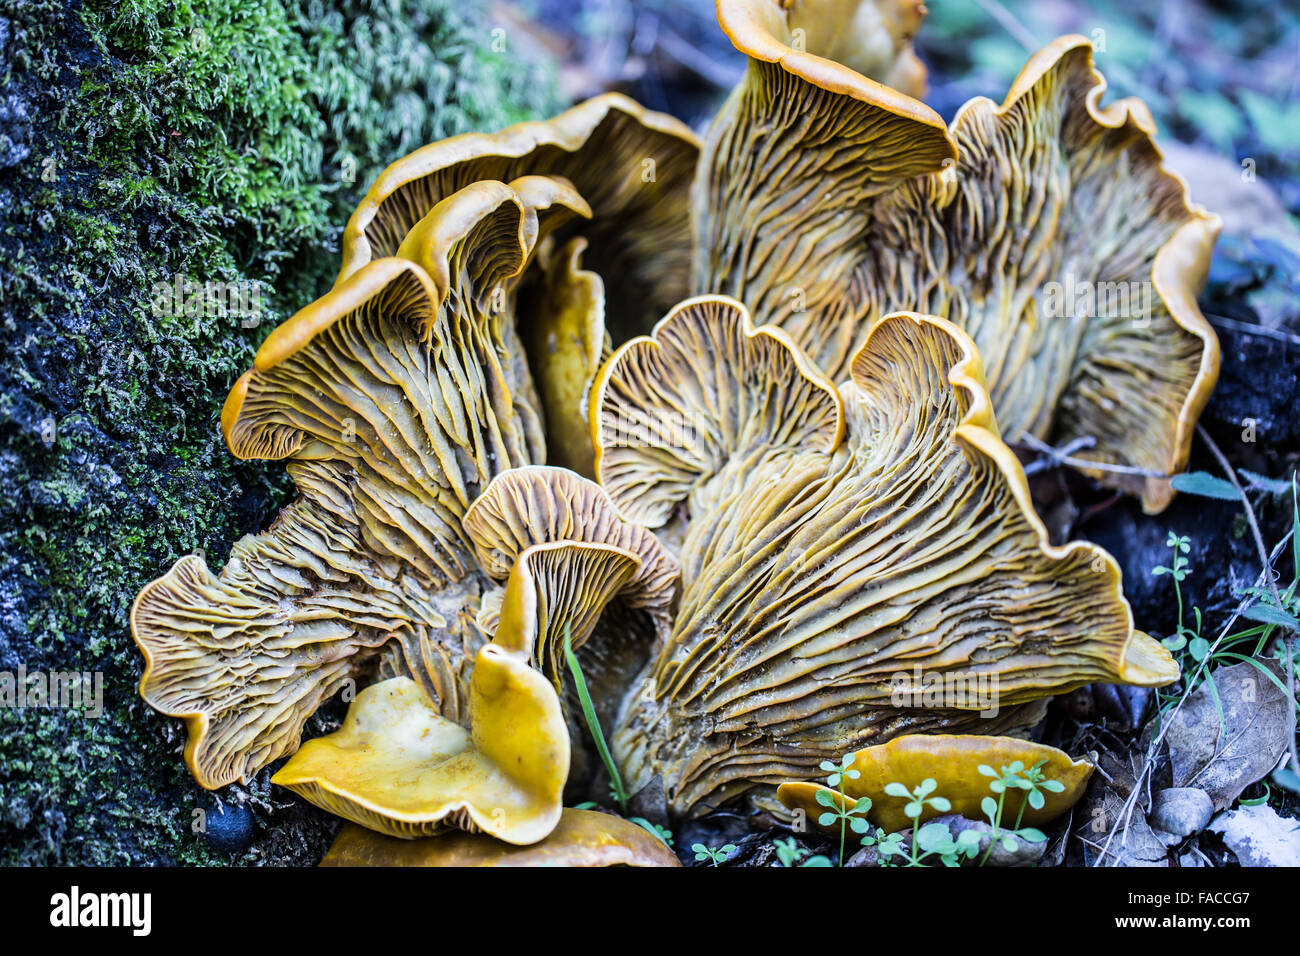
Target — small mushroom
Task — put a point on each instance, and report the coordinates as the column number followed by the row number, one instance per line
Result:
column 839, row 548
column 565, row 585
column 582, row 838
column 953, row 762
column 531, row 506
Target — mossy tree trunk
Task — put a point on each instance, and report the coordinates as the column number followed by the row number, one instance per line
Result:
column 145, row 144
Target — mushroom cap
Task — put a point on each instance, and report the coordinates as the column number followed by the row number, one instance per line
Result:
column 819, row 572
column 581, row 838
column 538, row 504
column 631, row 164
column 399, row 768
column 245, row 657
column 495, row 225
column 840, row 42
column 953, row 761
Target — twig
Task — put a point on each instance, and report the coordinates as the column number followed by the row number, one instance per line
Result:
column 1009, row 23
column 722, row 75
column 1250, row 329
column 1063, row 456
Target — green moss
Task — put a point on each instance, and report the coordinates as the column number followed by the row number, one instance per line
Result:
column 219, row 142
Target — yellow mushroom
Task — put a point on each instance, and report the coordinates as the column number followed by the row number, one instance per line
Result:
column 1047, row 228
column 538, row 504
column 841, row 551
column 582, row 838
column 395, row 399
column 633, row 166
column 953, row 762
column 824, row 552
column 399, row 768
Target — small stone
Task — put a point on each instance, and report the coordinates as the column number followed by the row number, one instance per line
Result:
column 867, row 856
column 1180, row 812
column 1023, row 853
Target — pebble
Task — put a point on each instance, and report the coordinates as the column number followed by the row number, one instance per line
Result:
column 1180, row 811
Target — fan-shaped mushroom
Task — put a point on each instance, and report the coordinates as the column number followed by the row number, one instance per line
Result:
column 582, row 838
column 396, row 398
column 819, row 572
column 632, row 165
column 953, row 762
column 1047, row 228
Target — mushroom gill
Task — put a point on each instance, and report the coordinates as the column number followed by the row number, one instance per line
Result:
column 824, row 576
column 395, row 398
column 1047, row 228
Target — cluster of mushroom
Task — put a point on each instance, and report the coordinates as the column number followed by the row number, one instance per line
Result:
column 763, row 521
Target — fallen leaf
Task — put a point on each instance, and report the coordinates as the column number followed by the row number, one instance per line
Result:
column 1259, row 837
column 1225, row 756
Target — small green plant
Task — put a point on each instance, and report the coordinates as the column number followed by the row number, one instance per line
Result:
column 715, row 857
column 851, row 814
column 1015, row 777
column 617, row 791
column 790, row 853
column 888, row 845
column 1257, row 801
column 936, row 839
column 1198, row 656
column 917, row 800
column 1183, row 636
